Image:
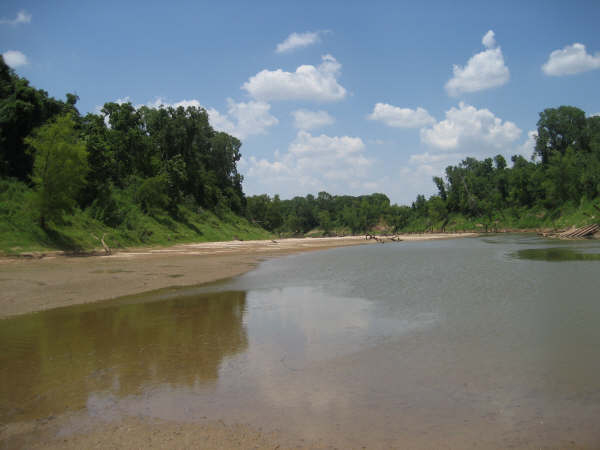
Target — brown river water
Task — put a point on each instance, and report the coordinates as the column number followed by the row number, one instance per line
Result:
column 479, row 342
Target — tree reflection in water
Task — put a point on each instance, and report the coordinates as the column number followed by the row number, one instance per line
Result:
column 51, row 361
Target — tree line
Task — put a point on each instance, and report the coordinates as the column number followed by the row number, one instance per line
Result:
column 159, row 159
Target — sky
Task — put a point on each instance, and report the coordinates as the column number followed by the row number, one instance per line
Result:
column 346, row 97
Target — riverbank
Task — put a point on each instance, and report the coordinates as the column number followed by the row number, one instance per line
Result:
column 56, row 280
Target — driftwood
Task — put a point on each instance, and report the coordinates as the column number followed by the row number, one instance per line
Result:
column 579, row 233
column 382, row 240
column 372, row 236
column 106, row 248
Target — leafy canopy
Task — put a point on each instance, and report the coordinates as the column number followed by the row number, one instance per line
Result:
column 59, row 168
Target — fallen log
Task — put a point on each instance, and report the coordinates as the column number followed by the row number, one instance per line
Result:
column 580, row 233
column 106, row 248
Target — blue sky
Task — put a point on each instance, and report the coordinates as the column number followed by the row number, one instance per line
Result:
column 360, row 97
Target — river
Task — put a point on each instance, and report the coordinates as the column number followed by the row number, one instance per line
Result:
column 491, row 341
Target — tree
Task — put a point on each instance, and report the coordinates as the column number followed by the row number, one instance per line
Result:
column 439, row 183
column 59, row 168
column 558, row 129
column 22, row 109
column 436, row 210
column 324, row 221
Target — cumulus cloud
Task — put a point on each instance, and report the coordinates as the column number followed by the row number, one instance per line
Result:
column 470, row 130
column 489, row 39
column 22, row 17
column 312, row 163
column 417, row 177
column 526, row 148
column 15, row 58
column 428, row 158
column 122, row 100
column 394, row 116
column 307, row 120
column 306, row 83
column 160, row 102
column 570, row 60
column 298, row 40
column 483, row 71
column 243, row 119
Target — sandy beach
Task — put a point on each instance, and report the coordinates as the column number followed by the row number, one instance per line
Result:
column 36, row 284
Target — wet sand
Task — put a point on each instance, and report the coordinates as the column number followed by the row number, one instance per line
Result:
column 29, row 285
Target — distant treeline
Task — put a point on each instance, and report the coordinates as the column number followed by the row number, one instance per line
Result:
column 564, row 171
column 155, row 159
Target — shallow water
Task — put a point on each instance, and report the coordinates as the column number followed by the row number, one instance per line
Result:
column 458, row 343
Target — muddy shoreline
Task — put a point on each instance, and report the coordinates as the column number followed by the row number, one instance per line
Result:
column 29, row 285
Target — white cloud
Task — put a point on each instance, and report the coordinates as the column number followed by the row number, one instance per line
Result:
column 489, row 39
column 298, row 40
column 526, row 148
column 428, row 158
column 220, row 122
column 307, row 120
column 243, row 119
column 312, row 163
column 570, row 60
column 306, row 83
column 22, row 17
column 394, row 116
column 160, row 102
column 483, row 71
column 122, row 100
column 471, row 130
column 15, row 58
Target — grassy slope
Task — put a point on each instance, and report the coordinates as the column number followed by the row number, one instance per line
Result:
column 20, row 231
column 568, row 215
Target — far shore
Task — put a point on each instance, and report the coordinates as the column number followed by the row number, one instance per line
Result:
column 57, row 280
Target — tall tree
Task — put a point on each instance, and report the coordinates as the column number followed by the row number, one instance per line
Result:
column 558, row 129
column 59, row 169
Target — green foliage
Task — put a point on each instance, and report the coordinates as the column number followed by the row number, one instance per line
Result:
column 59, row 169
column 331, row 214
column 152, row 194
column 148, row 176
column 559, row 129
column 22, row 109
column 20, row 232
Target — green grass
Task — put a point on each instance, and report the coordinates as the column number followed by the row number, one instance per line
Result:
column 568, row 215
column 20, row 231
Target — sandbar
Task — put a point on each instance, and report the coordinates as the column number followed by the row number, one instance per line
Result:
column 57, row 280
